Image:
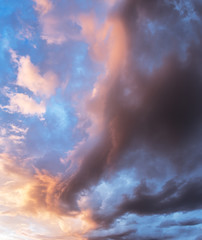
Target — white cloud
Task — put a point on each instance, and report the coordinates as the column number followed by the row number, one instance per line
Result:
column 21, row 103
column 29, row 77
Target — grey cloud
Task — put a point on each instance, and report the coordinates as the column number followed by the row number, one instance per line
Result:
column 184, row 223
column 160, row 112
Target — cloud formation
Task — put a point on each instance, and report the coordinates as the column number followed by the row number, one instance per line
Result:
column 24, row 104
column 43, row 6
column 28, row 76
column 118, row 153
column 156, row 109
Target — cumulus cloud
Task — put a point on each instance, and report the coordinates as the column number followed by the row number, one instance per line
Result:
column 29, row 77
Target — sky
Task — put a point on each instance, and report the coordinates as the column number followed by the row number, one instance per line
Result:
column 100, row 119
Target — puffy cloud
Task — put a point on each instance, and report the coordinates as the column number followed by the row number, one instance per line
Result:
column 22, row 103
column 29, row 77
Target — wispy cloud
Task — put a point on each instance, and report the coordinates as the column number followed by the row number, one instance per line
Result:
column 22, row 103
column 43, row 6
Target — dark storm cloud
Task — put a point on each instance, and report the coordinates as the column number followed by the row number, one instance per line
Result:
column 169, row 111
column 159, row 108
column 90, row 172
column 154, row 238
column 129, row 235
column 118, row 236
column 174, row 197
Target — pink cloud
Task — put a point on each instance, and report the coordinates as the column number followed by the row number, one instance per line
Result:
column 29, row 77
column 57, row 26
column 22, row 103
column 43, row 6
column 96, row 35
column 52, row 32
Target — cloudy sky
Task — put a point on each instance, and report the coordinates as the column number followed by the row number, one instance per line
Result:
column 100, row 119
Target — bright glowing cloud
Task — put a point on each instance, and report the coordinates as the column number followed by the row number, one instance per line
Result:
column 29, row 77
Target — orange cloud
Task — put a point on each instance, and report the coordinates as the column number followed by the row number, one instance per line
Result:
column 29, row 199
